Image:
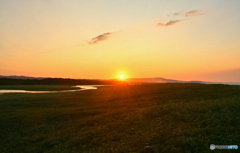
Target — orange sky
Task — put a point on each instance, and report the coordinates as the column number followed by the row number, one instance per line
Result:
column 184, row 40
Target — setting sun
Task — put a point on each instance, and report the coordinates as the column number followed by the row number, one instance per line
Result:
column 122, row 76
column 116, row 45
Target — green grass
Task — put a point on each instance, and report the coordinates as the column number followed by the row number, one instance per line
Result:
column 172, row 117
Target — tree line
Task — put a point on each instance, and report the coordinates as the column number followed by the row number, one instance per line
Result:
column 54, row 81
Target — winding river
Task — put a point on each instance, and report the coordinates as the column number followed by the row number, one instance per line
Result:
column 81, row 87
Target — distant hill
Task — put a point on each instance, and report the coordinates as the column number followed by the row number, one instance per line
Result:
column 13, row 79
column 154, row 80
column 21, row 77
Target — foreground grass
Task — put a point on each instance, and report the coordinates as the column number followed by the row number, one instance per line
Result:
column 172, row 117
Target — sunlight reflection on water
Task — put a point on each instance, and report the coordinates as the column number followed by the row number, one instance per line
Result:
column 81, row 87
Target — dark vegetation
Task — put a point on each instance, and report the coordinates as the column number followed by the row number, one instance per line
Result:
column 53, row 81
column 177, row 118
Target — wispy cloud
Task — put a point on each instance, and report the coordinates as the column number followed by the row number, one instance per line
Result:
column 100, row 38
column 194, row 13
column 184, row 14
column 177, row 13
column 170, row 23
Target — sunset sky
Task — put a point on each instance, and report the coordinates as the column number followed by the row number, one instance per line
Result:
column 101, row 39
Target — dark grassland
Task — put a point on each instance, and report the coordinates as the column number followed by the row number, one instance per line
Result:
column 172, row 117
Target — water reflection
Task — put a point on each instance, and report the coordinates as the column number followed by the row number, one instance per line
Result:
column 87, row 87
column 81, row 87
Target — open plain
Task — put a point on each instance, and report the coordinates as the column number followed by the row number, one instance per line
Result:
column 122, row 118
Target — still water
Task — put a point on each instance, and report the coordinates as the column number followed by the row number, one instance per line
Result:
column 81, row 87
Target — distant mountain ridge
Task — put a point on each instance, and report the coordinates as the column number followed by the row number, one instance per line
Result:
column 14, row 79
column 142, row 80
column 21, row 77
column 154, row 80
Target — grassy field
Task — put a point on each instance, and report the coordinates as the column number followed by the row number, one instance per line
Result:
column 173, row 118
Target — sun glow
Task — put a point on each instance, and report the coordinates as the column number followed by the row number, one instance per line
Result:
column 122, row 76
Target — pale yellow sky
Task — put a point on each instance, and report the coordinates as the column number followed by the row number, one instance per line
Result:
column 185, row 40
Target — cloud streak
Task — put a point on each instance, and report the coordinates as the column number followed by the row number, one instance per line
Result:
column 194, row 13
column 101, row 37
column 177, row 13
column 170, row 23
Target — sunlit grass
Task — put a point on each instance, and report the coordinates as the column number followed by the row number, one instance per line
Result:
column 170, row 117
